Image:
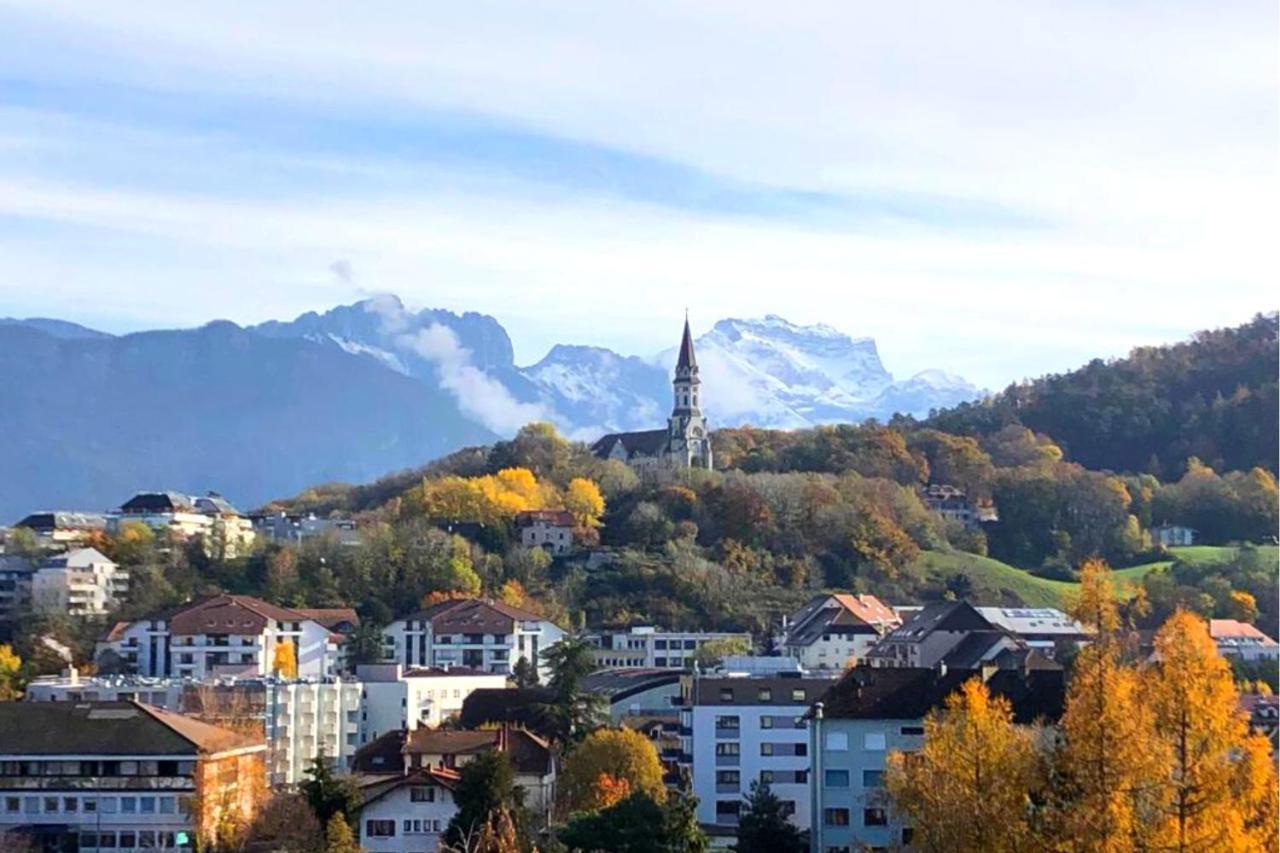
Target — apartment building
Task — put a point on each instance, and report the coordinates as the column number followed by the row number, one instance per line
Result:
column 233, row 635
column 15, row 585
column 63, row 528
column 834, row 630
column 395, row 698
column 1236, row 639
column 82, row 582
column 120, row 776
column 646, row 647
column 478, row 634
column 946, row 632
column 736, row 729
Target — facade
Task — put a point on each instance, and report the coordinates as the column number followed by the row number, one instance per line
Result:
column 954, row 505
column 1243, row 641
column 83, row 582
column 398, row 699
column 738, row 729
column 1041, row 628
column 1173, row 536
column 15, row 585
column 408, row 813
column 224, row 635
column 650, row 648
column 872, row 712
column 685, row 443
column 834, row 630
column 948, row 632
column 550, row 529
column 473, row 633
column 120, row 776
column 281, row 527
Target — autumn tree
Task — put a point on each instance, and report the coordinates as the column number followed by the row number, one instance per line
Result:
column 10, row 674
column 1109, row 753
column 607, row 757
column 582, row 498
column 284, row 660
column 338, row 837
column 287, row 824
column 1212, row 799
column 969, row 787
column 712, row 652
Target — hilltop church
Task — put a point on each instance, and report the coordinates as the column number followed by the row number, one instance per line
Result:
column 685, row 443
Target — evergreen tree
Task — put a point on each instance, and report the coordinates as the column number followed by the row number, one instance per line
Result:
column 328, row 794
column 572, row 712
column 487, row 786
column 763, row 826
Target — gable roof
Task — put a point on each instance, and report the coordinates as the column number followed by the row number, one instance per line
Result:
column 474, row 616
column 529, row 753
column 144, row 502
column 375, row 789
column 330, row 617
column 109, row 728
column 557, row 517
column 78, row 558
column 230, row 614
column 951, row 616
column 840, row 612
column 650, row 442
column 1233, row 629
column 902, row 693
column 62, row 519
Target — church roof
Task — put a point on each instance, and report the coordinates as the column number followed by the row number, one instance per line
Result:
column 646, row 443
column 686, row 360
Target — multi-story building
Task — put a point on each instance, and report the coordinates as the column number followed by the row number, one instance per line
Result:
column 62, row 527
column 550, row 529
column 646, row 647
column 83, row 582
column 738, row 729
column 950, row 632
column 874, row 711
column 15, row 585
column 636, row 692
column 1243, row 641
column 120, row 776
column 282, row 527
column 480, row 634
column 835, row 630
column 397, row 699
column 408, row 812
column 1044, row 629
column 299, row 719
column 225, row 635
column 224, row 529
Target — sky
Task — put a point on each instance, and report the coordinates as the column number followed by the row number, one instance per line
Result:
column 996, row 189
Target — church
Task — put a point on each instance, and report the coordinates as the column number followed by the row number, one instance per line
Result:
column 685, row 443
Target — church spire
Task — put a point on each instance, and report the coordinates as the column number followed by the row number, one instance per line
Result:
column 686, row 361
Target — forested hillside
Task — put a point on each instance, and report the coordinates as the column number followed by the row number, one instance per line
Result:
column 1213, row 397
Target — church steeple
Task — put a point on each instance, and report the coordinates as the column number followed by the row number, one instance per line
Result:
column 688, row 443
column 686, row 382
column 686, row 363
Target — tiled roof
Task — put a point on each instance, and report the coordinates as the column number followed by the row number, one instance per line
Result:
column 108, row 728
column 1222, row 629
column 556, row 517
column 144, row 502
column 378, row 787
column 330, row 617
column 873, row 693
column 230, row 614
column 528, row 752
column 474, row 616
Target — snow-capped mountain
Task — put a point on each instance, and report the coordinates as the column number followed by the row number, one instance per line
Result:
column 593, row 390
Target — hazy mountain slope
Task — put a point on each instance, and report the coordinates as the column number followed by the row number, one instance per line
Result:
column 88, row 421
column 57, row 328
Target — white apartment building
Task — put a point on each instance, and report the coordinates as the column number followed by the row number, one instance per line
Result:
column 738, row 729
column 478, row 634
column 646, row 647
column 225, row 635
column 834, row 630
column 398, row 699
column 83, row 582
column 224, row 529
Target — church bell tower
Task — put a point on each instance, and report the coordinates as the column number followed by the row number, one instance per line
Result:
column 688, row 443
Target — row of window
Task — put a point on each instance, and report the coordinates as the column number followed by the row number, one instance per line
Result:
column 97, row 768
column 733, row 808
column 768, row 777
column 840, row 817
column 91, row 805
column 730, row 747
column 871, row 741
column 145, row 839
column 765, row 694
column 840, row 778
column 387, row 828
column 734, row 723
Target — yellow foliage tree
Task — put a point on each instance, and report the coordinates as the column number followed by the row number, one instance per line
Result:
column 284, row 661
column 623, row 755
column 969, row 787
column 583, row 499
column 610, row 789
column 10, row 679
column 1213, row 800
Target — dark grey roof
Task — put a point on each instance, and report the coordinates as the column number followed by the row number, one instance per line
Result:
column 941, row 616
column 875, row 693
column 144, row 502
column 746, row 691
column 686, row 361
column 620, row 684
column 107, row 728
column 215, row 504
column 647, row 443
column 975, row 648
column 63, row 519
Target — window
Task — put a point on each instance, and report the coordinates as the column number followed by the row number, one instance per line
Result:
column 912, row 731
column 70, row 805
column 31, row 805
column 872, row 778
column 766, row 777
column 801, row 749
column 802, row 777
column 728, row 777
column 908, row 834
column 844, row 849
column 659, row 661
column 874, row 817
column 128, row 805
column 836, row 778
column 766, row 722
column 835, row 817
column 660, row 644
column 764, row 694
column 422, row 794
column 168, row 805
column 728, row 747
column 837, row 742
column 128, row 839
column 50, row 805
column 728, row 722
column 110, row 805
column 147, row 839
column 90, row 805
column 798, row 695
column 690, row 644
column 106, row 840
column 146, row 805
column 728, row 809
column 380, row 828
column 12, row 805
column 88, row 839
column 726, row 694
column 766, row 749
column 873, row 742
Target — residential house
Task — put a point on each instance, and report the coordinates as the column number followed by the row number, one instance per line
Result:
column 550, row 529
column 479, row 634
column 1240, row 640
column 399, row 753
column 950, row 632
column 872, row 712
column 953, row 504
column 1042, row 628
column 82, row 582
column 646, row 647
column 15, row 585
column 224, row 635
column 396, row 698
column 1264, row 715
column 833, row 630
column 62, row 527
column 120, row 776
column 407, row 813
column 1173, row 535
column 736, row 729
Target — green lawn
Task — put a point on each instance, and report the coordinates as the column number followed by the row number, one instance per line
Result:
column 995, row 582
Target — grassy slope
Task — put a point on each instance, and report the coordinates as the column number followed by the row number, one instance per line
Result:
column 995, row 582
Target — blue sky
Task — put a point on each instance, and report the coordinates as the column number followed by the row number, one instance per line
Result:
column 995, row 189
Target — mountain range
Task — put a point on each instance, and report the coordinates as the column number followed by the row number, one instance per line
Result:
column 87, row 418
